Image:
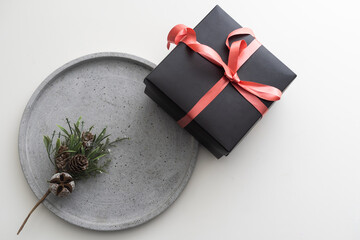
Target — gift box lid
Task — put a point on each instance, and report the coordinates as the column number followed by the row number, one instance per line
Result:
column 184, row 76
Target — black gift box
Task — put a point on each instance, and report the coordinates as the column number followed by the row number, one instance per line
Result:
column 184, row 76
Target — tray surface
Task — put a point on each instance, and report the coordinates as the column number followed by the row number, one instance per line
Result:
column 147, row 172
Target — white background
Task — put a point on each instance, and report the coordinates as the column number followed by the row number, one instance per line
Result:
column 295, row 176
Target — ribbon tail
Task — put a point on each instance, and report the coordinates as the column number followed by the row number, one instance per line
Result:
column 262, row 91
column 174, row 32
column 252, row 99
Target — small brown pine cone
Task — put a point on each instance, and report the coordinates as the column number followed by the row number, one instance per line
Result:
column 87, row 139
column 61, row 184
column 62, row 158
column 78, row 163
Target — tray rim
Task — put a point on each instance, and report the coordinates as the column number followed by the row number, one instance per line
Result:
column 22, row 149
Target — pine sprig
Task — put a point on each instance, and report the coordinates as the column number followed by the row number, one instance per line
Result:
column 73, row 139
column 78, row 152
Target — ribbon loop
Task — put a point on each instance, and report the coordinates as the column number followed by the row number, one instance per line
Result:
column 239, row 53
column 236, row 49
column 239, row 31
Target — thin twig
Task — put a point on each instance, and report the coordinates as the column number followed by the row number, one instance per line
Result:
column 32, row 210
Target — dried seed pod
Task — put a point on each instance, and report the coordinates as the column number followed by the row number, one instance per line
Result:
column 62, row 184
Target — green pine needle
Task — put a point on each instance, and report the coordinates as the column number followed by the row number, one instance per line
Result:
column 73, row 139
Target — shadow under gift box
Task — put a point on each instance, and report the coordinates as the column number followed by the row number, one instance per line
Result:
column 184, row 76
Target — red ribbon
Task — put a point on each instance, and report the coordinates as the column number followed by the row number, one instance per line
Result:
column 239, row 53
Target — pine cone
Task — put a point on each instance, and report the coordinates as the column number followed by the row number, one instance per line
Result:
column 62, row 158
column 78, row 163
column 87, row 138
column 62, row 184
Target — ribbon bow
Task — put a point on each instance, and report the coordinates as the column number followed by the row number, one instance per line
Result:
column 239, row 53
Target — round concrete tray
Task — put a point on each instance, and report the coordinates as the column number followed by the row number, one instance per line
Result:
column 147, row 173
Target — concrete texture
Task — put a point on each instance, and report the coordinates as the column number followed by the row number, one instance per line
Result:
column 147, row 172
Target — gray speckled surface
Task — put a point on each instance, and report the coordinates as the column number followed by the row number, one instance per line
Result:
column 147, row 172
